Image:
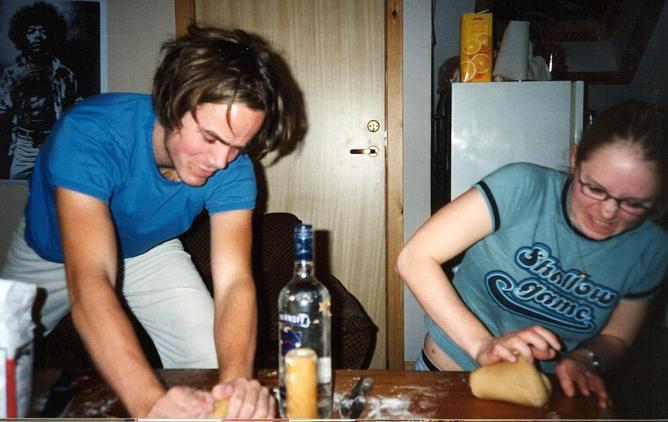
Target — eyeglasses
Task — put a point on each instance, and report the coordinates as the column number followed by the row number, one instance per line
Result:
column 630, row 205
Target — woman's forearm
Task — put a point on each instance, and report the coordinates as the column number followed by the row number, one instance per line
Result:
column 600, row 352
column 440, row 301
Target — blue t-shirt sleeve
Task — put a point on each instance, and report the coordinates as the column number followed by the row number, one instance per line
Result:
column 506, row 190
column 85, row 156
column 235, row 187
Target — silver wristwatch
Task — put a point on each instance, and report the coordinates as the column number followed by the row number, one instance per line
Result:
column 595, row 361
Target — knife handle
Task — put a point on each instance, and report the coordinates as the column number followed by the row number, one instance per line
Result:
column 362, row 387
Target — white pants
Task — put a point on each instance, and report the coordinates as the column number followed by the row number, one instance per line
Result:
column 161, row 287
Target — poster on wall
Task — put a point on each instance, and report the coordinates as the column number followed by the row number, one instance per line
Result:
column 52, row 55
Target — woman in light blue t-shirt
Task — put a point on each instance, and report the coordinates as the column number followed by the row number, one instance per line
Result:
column 559, row 268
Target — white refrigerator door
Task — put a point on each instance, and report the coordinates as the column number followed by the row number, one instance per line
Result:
column 498, row 123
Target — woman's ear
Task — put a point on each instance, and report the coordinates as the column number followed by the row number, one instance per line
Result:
column 573, row 155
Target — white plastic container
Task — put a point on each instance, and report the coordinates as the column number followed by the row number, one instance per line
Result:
column 16, row 347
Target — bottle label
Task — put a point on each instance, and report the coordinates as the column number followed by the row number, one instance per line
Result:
column 290, row 340
column 301, row 320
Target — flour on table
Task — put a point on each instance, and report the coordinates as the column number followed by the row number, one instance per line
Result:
column 98, row 408
column 397, row 404
column 389, row 407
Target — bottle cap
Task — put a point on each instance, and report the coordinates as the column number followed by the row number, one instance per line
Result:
column 303, row 242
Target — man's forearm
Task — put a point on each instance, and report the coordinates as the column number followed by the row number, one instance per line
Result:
column 115, row 350
column 235, row 329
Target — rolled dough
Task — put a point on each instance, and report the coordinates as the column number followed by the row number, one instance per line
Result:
column 515, row 382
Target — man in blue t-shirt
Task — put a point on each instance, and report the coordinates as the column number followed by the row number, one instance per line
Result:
column 119, row 179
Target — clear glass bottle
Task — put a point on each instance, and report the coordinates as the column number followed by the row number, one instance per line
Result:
column 304, row 320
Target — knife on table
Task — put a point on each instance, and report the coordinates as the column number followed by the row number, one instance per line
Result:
column 358, row 396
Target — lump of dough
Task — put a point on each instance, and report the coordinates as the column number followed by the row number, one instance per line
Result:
column 219, row 409
column 516, row 382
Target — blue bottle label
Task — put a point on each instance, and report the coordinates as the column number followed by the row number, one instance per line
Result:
column 290, row 340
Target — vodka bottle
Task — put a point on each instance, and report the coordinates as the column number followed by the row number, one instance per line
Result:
column 304, row 320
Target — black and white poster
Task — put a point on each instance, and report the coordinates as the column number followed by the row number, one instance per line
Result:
column 52, row 55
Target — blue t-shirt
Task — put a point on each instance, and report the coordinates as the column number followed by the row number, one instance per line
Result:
column 103, row 148
column 531, row 269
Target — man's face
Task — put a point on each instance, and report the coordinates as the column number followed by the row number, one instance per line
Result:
column 36, row 36
column 209, row 141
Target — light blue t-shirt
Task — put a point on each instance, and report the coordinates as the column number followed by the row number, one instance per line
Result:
column 103, row 148
column 529, row 270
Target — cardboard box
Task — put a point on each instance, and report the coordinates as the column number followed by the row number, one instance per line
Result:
column 475, row 51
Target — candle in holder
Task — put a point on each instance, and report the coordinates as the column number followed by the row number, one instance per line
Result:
column 301, row 383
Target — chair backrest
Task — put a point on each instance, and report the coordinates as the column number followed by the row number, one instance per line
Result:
column 273, row 267
column 353, row 331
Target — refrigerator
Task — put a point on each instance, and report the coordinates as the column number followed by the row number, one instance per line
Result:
column 482, row 126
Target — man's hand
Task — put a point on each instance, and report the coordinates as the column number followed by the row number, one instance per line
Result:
column 246, row 399
column 182, row 403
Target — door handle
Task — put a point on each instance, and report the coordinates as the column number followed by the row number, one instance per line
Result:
column 372, row 151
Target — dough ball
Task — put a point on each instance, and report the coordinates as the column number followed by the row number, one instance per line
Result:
column 516, row 382
column 219, row 409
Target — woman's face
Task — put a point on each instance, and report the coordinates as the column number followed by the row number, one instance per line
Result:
column 619, row 172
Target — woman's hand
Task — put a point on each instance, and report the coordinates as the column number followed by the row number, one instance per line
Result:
column 182, row 403
column 246, row 399
column 576, row 372
column 531, row 343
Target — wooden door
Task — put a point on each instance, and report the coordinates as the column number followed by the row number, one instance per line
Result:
column 336, row 53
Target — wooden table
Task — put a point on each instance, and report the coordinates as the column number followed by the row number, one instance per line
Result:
column 395, row 395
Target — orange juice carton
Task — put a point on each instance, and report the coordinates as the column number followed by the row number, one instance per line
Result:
column 475, row 50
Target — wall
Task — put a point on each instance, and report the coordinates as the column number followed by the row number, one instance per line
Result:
column 447, row 14
column 419, row 68
column 135, row 30
column 417, row 146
